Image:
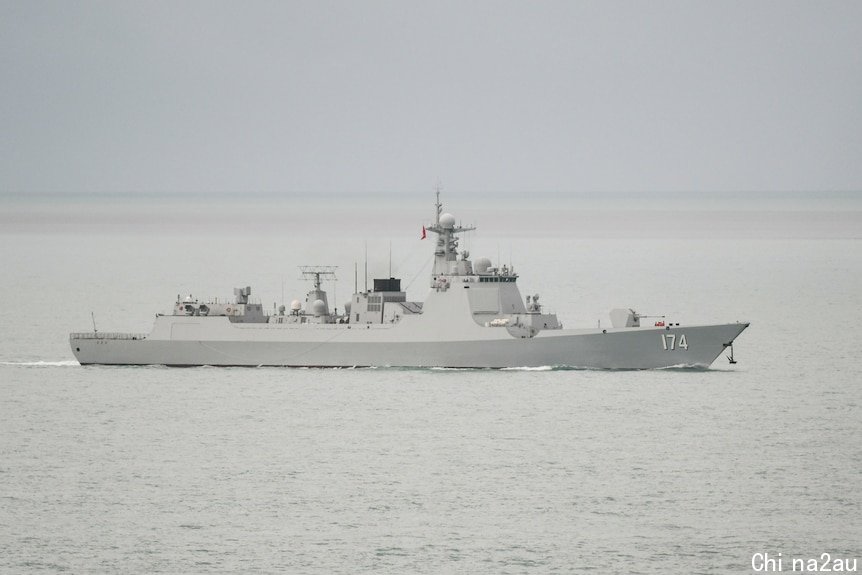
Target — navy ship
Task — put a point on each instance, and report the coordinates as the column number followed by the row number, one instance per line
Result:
column 473, row 316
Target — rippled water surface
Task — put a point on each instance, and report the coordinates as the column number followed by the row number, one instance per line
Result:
column 381, row 470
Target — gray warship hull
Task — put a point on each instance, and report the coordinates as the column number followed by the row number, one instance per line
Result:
column 229, row 344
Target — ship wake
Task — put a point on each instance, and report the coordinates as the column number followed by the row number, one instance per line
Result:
column 64, row 363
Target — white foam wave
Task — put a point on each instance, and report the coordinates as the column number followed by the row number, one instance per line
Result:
column 685, row 366
column 67, row 363
column 441, row 368
column 526, row 368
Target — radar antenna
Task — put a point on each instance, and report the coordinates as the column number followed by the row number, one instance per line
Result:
column 314, row 273
column 317, row 296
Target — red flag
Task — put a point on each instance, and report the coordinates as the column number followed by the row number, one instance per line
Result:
column 423, row 233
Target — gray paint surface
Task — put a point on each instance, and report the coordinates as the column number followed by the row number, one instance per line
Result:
column 628, row 348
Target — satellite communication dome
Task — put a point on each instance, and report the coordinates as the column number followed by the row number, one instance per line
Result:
column 481, row 266
column 447, row 221
column 296, row 305
column 319, row 307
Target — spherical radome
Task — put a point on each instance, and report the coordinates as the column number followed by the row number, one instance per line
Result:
column 296, row 305
column 481, row 266
column 319, row 307
column 447, row 221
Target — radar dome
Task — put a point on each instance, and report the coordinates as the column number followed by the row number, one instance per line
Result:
column 296, row 305
column 447, row 221
column 481, row 266
column 319, row 307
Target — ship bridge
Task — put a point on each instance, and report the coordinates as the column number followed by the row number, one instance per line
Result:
column 493, row 298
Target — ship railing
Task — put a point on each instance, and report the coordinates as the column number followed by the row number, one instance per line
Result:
column 106, row 335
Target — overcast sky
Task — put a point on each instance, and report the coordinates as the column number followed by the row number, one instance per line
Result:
column 385, row 96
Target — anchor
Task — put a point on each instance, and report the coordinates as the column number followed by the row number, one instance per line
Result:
column 730, row 357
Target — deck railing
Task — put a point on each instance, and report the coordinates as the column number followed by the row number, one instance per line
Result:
column 103, row 335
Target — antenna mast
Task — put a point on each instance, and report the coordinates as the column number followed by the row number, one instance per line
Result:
column 315, row 272
column 438, row 205
column 447, row 242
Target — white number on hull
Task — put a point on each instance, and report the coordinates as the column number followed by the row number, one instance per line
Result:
column 669, row 342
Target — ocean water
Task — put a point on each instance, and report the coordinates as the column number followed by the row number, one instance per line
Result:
column 158, row 470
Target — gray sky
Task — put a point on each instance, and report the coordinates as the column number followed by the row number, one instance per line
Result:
column 486, row 95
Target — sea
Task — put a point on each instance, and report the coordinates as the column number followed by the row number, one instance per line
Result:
column 387, row 470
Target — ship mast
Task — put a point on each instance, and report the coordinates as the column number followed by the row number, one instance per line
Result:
column 315, row 273
column 446, row 250
column 439, row 207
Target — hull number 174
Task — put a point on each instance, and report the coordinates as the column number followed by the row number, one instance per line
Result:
column 669, row 341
